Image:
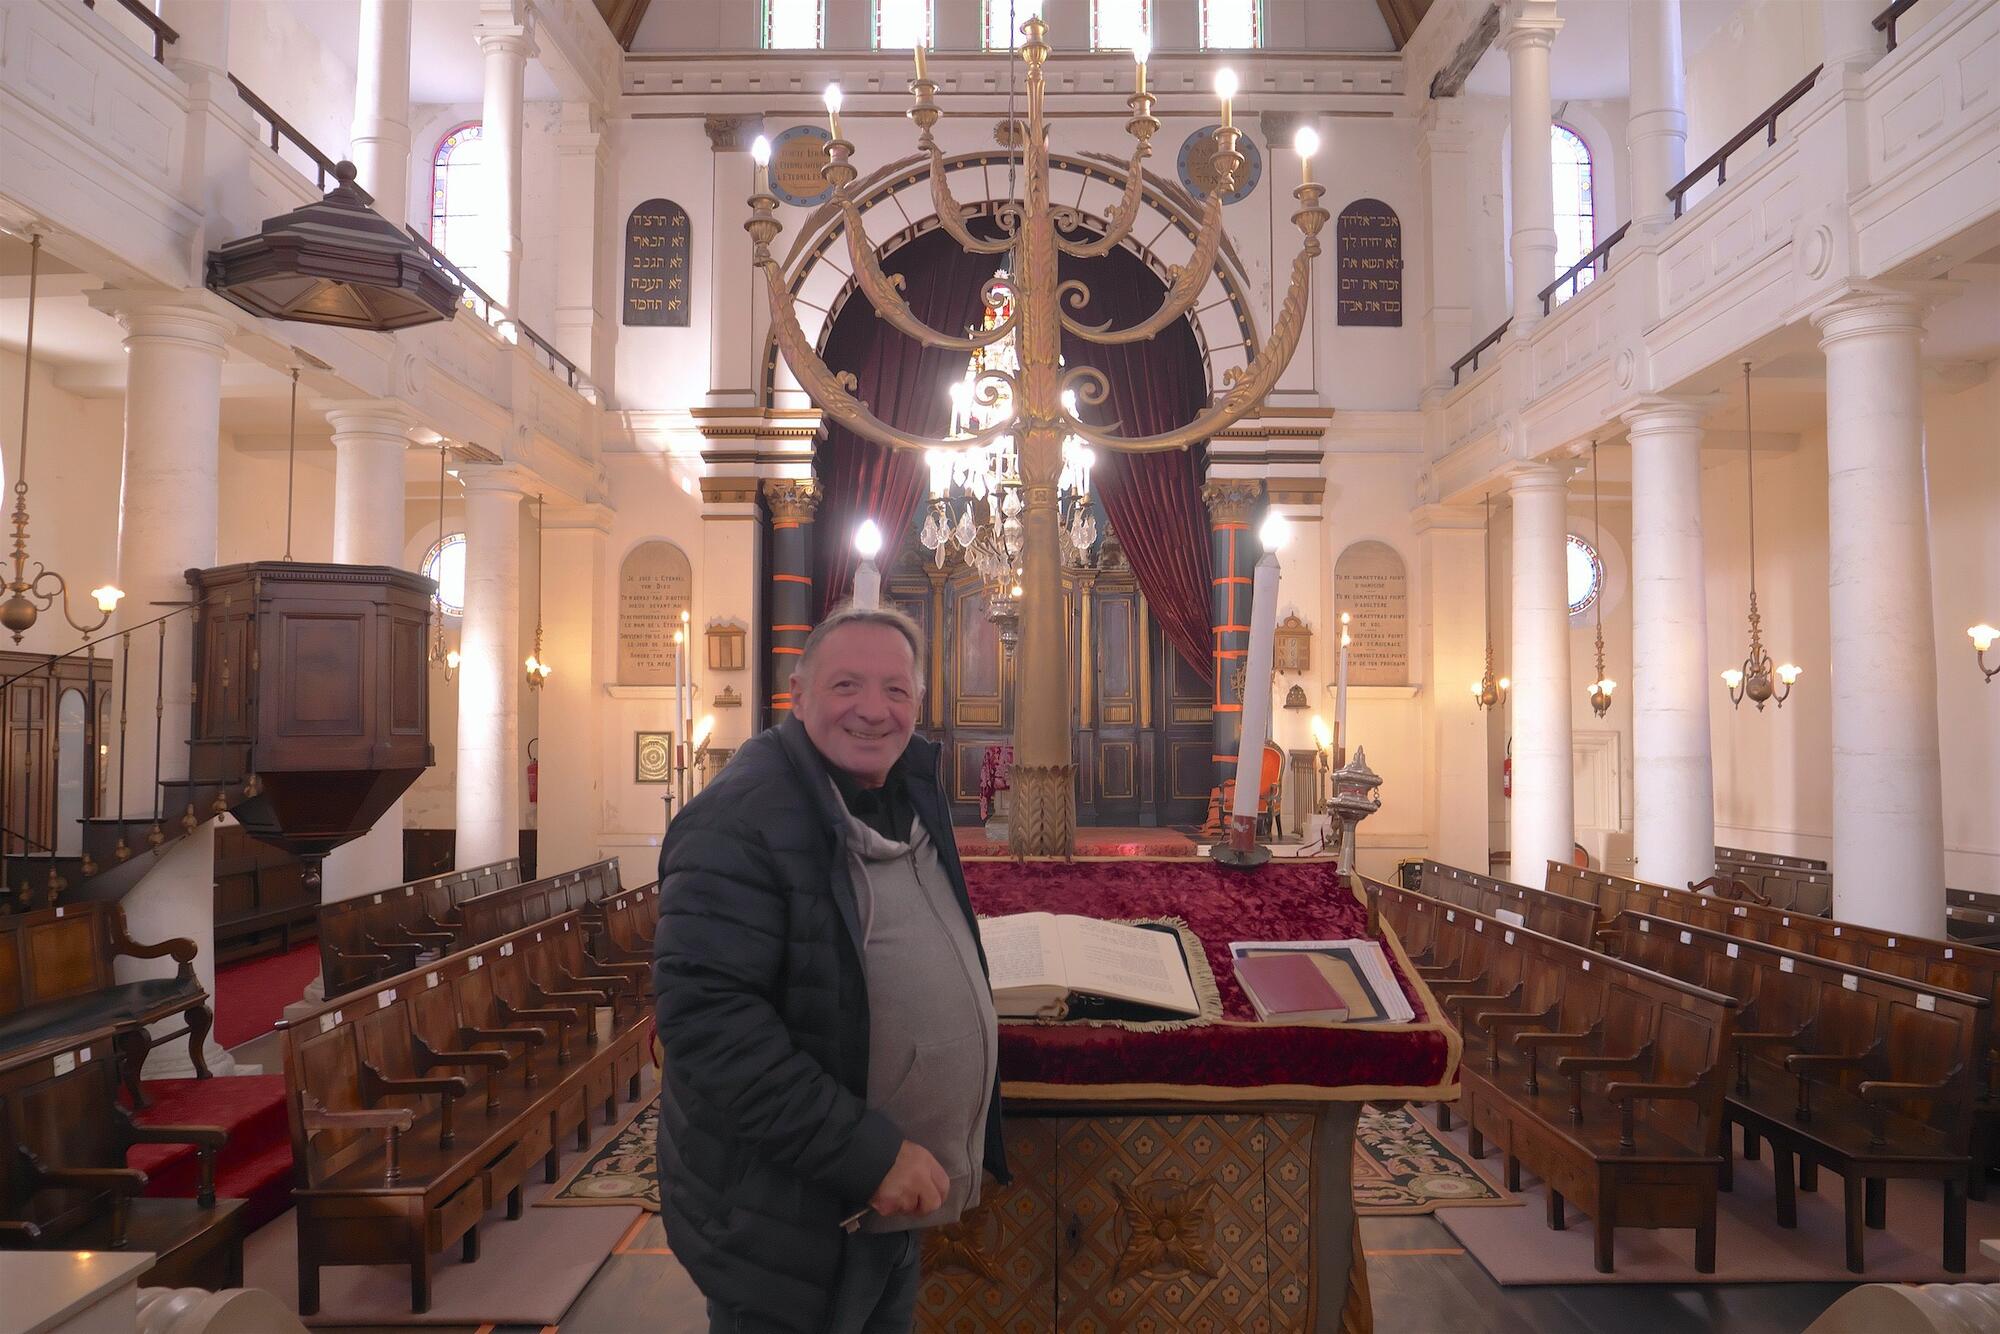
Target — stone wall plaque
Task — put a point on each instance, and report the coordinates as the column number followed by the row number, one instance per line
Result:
column 1368, row 263
column 1370, row 584
column 798, row 156
column 653, row 586
column 657, row 261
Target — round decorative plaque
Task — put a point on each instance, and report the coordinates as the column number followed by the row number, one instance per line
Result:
column 1197, row 165
column 798, row 155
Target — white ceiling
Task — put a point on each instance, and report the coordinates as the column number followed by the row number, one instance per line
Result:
column 445, row 64
column 1590, row 61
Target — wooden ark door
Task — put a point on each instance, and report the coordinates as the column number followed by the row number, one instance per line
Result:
column 1113, row 686
column 1183, row 764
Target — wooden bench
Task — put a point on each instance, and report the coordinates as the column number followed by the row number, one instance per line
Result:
column 1868, row 1074
column 1552, row 914
column 625, row 925
column 491, row 915
column 64, row 1182
column 420, row 1100
column 1750, row 857
column 57, row 981
column 1603, row 1077
column 261, row 899
column 371, row 936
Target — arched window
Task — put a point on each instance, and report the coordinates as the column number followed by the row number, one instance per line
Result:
column 1231, row 25
column 793, row 25
column 1586, row 574
column 1576, row 215
column 902, row 24
column 445, row 562
column 1116, row 24
column 1004, row 19
column 458, row 196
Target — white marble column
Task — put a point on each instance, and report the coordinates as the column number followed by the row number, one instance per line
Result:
column 1673, row 777
column 584, row 331
column 1528, row 33
column 1847, row 33
column 490, row 666
column 1542, row 821
column 1656, row 127
column 738, row 314
column 505, row 50
column 168, row 518
column 380, row 141
column 578, row 593
column 1888, row 822
column 1451, row 644
column 370, row 438
column 1444, row 161
column 201, row 43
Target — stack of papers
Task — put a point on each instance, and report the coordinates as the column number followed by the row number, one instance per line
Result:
column 1357, row 970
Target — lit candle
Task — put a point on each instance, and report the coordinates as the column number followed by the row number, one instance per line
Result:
column 1340, row 695
column 760, row 153
column 1225, row 88
column 1306, row 141
column 867, row 579
column 833, row 108
column 1256, row 713
column 920, row 61
column 680, row 690
column 1142, row 51
column 687, row 636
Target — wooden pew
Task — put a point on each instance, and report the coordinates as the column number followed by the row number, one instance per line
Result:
column 491, row 915
column 64, row 1182
column 1551, row 913
column 370, row 936
column 418, row 1101
column 1603, row 1077
column 1868, row 1074
column 57, row 981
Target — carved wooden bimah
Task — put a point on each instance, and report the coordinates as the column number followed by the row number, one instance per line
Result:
column 311, row 680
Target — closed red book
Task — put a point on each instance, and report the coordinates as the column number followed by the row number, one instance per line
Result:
column 1289, row 988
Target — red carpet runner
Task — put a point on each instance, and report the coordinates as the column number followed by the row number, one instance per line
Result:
column 256, row 1164
column 1105, row 842
column 251, row 996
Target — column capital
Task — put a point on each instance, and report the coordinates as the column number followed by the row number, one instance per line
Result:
column 1879, row 308
column 370, row 416
column 1536, row 477
column 732, row 134
column 792, row 500
column 1529, row 23
column 164, row 316
column 498, row 479
column 592, row 517
column 1446, row 518
column 1231, row 500
column 1661, row 412
column 515, row 40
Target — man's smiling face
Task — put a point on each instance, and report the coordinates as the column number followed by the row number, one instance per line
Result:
column 858, row 702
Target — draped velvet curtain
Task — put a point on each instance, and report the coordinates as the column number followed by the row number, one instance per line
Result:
column 1151, row 501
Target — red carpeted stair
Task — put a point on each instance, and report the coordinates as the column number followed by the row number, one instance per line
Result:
column 252, row 995
column 256, row 1165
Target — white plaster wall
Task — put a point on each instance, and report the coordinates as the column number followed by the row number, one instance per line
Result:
column 281, row 60
column 670, row 159
column 1743, row 67
column 252, row 483
column 1358, row 368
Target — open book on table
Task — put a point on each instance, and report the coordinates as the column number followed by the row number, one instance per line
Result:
column 1050, row 965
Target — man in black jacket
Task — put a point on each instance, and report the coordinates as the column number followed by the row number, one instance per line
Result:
column 831, row 1080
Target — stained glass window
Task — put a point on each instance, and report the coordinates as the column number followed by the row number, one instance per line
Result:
column 445, row 562
column 1116, row 24
column 794, row 25
column 1586, row 574
column 458, row 196
column 902, row 24
column 1576, row 222
column 1230, row 25
column 1003, row 29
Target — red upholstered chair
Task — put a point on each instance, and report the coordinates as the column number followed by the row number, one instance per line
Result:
column 1270, row 783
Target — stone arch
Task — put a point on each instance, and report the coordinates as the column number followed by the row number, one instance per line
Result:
column 896, row 208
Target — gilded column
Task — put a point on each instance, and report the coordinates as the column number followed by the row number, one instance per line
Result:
column 1232, row 559
column 791, row 608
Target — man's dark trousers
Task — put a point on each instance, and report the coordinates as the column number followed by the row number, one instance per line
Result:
column 877, row 1292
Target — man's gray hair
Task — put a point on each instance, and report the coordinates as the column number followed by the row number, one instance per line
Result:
column 849, row 614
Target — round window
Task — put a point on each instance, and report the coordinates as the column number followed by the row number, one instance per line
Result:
column 1586, row 574
column 445, row 562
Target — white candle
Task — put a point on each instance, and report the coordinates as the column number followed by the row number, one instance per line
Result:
column 867, row 579
column 680, row 675
column 1340, row 697
column 1257, row 688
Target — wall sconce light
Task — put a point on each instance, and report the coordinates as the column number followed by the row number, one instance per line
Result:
column 1983, row 636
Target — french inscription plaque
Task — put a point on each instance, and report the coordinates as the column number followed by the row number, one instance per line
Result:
column 1369, row 583
column 1368, row 261
column 657, row 260
column 653, row 586
column 798, row 159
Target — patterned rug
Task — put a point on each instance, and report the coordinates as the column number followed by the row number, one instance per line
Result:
column 1401, row 1166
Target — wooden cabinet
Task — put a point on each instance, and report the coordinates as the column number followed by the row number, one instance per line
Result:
column 1196, row 1221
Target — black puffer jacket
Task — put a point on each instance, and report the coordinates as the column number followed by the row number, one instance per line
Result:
column 766, row 1140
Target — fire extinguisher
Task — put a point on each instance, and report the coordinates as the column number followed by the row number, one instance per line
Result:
column 1506, row 771
column 534, row 771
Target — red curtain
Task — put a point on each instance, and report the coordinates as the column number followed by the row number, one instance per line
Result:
column 903, row 383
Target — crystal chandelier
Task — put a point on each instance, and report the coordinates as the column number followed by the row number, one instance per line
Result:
column 976, row 500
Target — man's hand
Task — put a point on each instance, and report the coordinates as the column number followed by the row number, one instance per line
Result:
column 916, row 1184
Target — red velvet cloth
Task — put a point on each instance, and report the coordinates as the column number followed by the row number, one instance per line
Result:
column 1279, row 901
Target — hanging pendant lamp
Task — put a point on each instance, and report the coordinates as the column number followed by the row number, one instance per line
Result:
column 1756, row 679
column 1602, row 688
column 1487, row 691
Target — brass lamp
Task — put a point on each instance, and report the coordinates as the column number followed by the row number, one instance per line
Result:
column 1983, row 636
column 439, row 655
column 537, row 665
column 28, row 598
column 1488, row 691
column 1756, row 679
column 1603, row 686
column 1322, row 743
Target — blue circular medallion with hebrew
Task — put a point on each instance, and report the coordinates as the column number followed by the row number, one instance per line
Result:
column 1197, row 164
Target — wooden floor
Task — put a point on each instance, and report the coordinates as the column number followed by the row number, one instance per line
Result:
column 1422, row 1284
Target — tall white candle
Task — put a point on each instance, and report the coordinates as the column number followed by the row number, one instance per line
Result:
column 1257, row 688
column 867, row 578
column 1340, row 696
